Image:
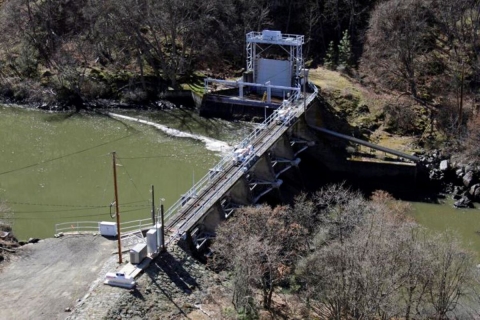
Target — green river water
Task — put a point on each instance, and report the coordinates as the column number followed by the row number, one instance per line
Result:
column 57, row 167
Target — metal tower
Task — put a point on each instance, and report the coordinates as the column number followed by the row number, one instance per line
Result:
column 262, row 69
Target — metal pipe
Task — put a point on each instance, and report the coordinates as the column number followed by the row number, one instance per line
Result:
column 365, row 143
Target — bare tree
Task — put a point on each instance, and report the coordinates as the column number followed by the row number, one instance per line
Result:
column 260, row 245
column 385, row 267
column 451, row 271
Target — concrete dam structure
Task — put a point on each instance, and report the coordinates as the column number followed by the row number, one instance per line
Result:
column 295, row 126
column 255, row 169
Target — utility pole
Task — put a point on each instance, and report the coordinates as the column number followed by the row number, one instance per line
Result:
column 304, row 91
column 116, row 208
column 161, row 232
column 163, row 226
column 153, row 205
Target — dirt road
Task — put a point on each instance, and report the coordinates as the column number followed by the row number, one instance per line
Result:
column 47, row 277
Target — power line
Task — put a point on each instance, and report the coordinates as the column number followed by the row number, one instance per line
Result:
column 77, row 209
column 158, row 156
column 127, row 204
column 131, row 179
column 54, row 205
column 12, row 217
column 64, row 156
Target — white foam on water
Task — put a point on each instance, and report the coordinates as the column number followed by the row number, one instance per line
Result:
column 210, row 144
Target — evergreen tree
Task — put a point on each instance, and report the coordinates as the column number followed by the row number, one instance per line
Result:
column 345, row 51
column 330, row 61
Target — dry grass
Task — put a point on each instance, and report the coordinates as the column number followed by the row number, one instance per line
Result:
column 337, row 86
column 332, row 82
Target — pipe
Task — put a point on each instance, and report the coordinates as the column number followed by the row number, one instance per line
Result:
column 365, row 143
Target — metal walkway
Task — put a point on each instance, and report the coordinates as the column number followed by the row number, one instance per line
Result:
column 184, row 214
column 194, row 205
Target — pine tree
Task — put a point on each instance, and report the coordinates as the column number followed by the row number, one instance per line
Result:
column 345, row 51
column 330, row 61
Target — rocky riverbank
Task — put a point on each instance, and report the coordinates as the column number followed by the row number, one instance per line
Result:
column 454, row 177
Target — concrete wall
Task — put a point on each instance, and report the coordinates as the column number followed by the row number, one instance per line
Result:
column 240, row 193
column 262, row 169
column 227, row 108
column 213, row 218
column 282, row 148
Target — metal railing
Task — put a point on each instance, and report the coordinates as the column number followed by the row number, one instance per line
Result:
column 135, row 225
column 79, row 226
column 224, row 164
column 285, row 37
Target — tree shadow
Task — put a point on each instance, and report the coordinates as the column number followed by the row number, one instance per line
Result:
column 59, row 117
column 124, row 123
column 186, row 118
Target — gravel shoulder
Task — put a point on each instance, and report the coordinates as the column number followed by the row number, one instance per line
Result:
column 52, row 275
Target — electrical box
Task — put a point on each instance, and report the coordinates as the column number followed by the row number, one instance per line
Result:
column 271, row 35
column 138, row 253
column 152, row 241
column 108, row 229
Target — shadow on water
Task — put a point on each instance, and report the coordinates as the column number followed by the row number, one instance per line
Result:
column 59, row 117
column 187, row 117
column 128, row 127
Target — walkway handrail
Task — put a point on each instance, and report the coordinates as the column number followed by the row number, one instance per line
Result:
column 226, row 161
column 206, row 180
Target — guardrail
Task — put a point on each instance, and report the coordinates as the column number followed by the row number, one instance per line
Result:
column 135, row 225
column 79, row 226
column 93, row 226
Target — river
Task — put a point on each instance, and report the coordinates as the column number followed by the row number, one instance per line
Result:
column 464, row 222
column 57, row 167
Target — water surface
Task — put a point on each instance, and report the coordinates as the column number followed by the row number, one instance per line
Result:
column 58, row 167
column 443, row 216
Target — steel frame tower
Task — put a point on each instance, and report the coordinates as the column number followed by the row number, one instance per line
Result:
column 290, row 43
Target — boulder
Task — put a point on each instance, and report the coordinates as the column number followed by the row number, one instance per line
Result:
column 33, row 240
column 475, row 191
column 459, row 173
column 468, row 179
column 444, row 165
column 464, row 202
column 436, row 174
column 458, row 192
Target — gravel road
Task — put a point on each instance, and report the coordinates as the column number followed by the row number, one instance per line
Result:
column 46, row 278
